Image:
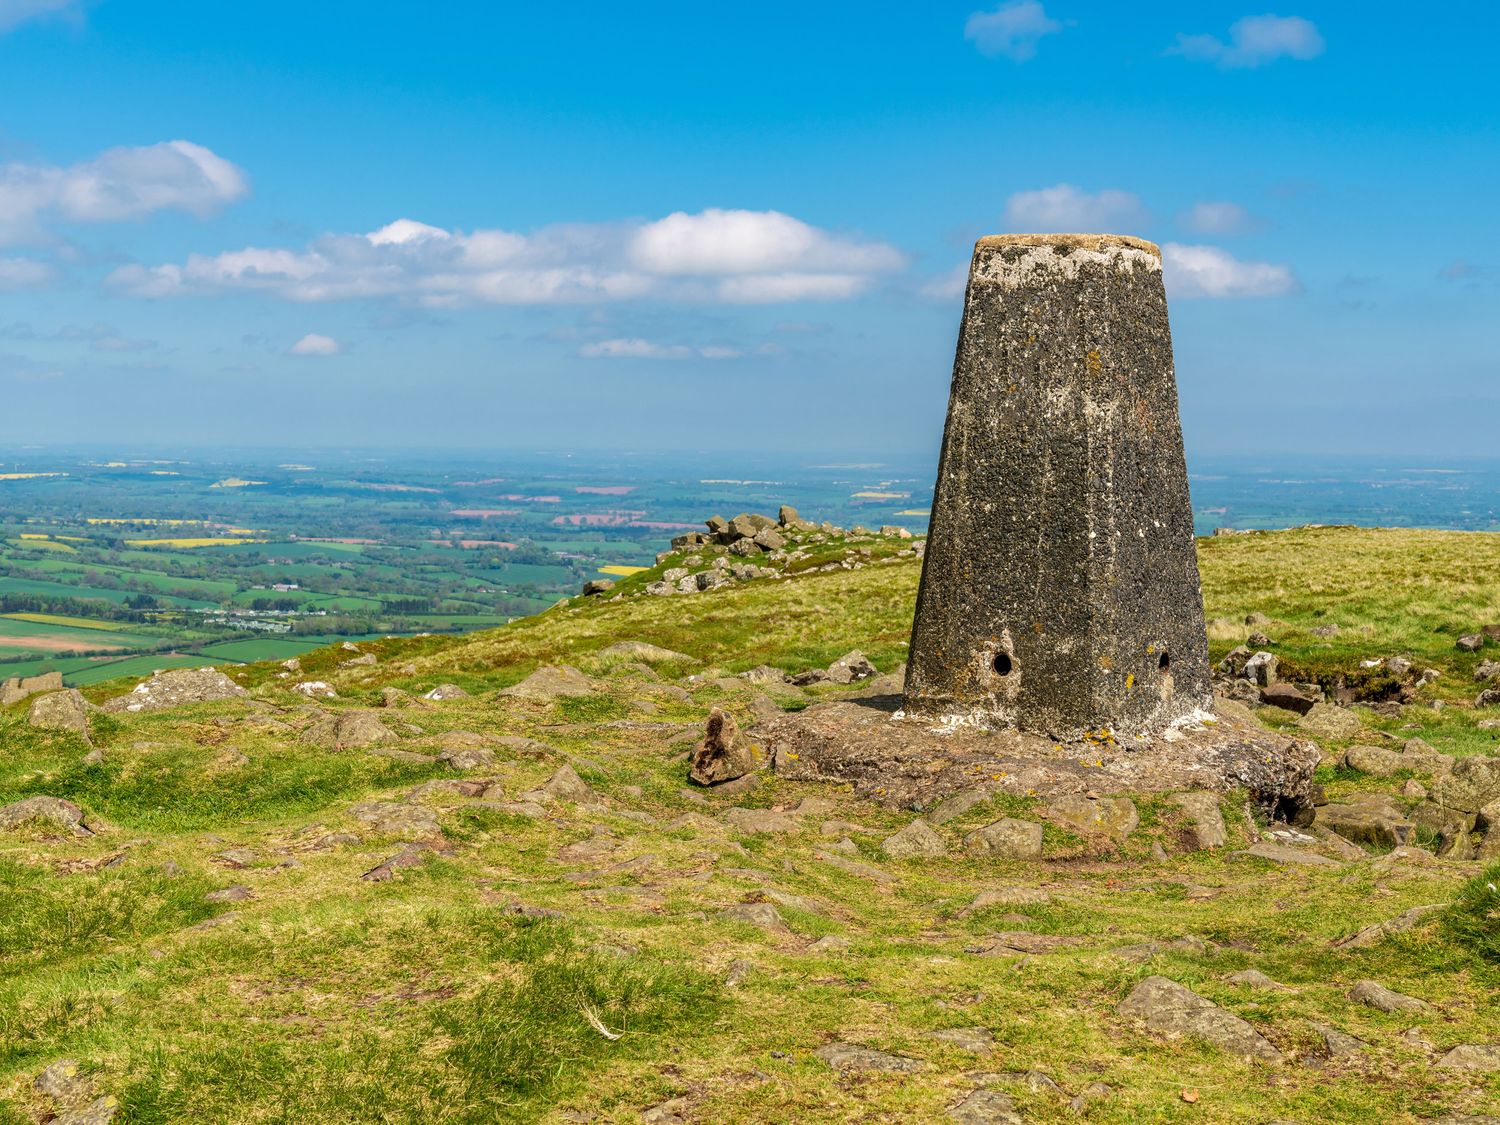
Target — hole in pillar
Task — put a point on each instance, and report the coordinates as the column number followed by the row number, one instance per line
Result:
column 1164, row 664
column 1003, row 664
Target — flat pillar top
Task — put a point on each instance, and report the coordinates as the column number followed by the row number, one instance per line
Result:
column 1066, row 242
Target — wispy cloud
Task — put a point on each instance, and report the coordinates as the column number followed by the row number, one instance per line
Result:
column 1460, row 269
column 737, row 257
column 25, row 273
column 636, row 348
column 1208, row 271
column 1217, row 217
column 1013, row 29
column 120, row 183
column 1064, row 207
column 1255, row 41
column 315, row 344
column 16, row 12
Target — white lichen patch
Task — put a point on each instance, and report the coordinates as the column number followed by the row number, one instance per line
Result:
column 1012, row 269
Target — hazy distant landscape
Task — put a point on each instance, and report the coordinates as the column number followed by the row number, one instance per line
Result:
column 117, row 565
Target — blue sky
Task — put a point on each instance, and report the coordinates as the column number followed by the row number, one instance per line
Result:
column 726, row 227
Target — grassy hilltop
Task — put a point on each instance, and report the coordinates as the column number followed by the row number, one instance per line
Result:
column 232, row 943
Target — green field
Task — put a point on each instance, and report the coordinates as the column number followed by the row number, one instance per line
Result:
column 132, row 667
column 262, row 648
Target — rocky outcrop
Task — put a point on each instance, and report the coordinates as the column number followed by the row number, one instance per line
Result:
column 18, row 688
column 725, row 752
column 61, row 710
column 1169, row 1009
column 176, row 688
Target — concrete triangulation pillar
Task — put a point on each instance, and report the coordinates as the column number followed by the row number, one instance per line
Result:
column 1060, row 593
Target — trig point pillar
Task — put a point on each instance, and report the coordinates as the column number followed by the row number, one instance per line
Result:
column 1060, row 591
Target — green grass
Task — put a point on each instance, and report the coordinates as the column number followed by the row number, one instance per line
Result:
column 261, row 648
column 326, row 997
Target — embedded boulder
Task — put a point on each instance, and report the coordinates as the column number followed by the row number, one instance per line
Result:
column 60, row 710
column 555, row 681
column 177, row 687
column 49, row 810
column 1168, row 1008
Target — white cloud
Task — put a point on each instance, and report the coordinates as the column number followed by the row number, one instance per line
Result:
column 1013, row 29
column 120, row 183
column 14, row 12
column 636, row 348
column 1065, row 208
column 1456, row 270
column 25, row 273
column 736, row 257
column 1217, row 217
column 1255, row 41
column 1207, row 271
column 315, row 344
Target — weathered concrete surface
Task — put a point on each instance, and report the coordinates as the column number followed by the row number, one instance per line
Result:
column 909, row 763
column 1060, row 591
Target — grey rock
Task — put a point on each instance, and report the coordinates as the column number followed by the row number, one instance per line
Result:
column 1339, row 1043
column 751, row 822
column 980, row 1040
column 1470, row 642
column 850, row 668
column 1008, row 838
column 1473, row 1056
column 1203, row 811
column 1109, row 816
column 559, row 681
column 1379, row 931
column 644, row 653
column 848, row 1057
column 63, row 1081
column 1384, row 999
column 1325, row 720
column 446, row 691
column 564, row 785
column 1473, row 783
column 1168, row 1008
column 47, row 810
column 1261, row 669
column 956, row 805
column 1254, row 978
column 986, row 1107
column 853, row 866
column 236, row 893
column 17, row 688
column 761, row 914
column 916, row 839
column 1286, row 856
column 1369, row 820
column 100, row 1111
column 832, row 943
column 62, row 710
column 176, row 688
column 394, row 818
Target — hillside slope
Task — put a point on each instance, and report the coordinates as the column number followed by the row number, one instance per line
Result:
column 497, row 906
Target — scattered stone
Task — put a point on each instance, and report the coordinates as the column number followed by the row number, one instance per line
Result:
column 177, row 687
column 1280, row 853
column 1382, row 998
column 1473, row 783
column 396, row 819
column 563, row 785
column 61, row 710
column 461, row 757
column 446, row 691
column 916, row 839
column 956, row 805
column 1367, row 819
column 761, row 914
column 1326, row 631
column 51, row 810
column 18, row 688
column 63, row 1081
column 1254, row 978
column 100, row 1111
column 832, row 943
column 980, row 1040
column 1470, row 642
column 751, row 822
column 349, row 730
column 236, row 893
column 846, row 1057
column 724, row 754
column 739, row 972
column 1325, row 720
column 1473, row 1056
column 1007, row 839
column 1287, row 697
column 595, row 586
column 1166, row 1007
column 1339, row 1043
column 315, row 689
column 854, row 867
column 1110, row 816
column 986, row 1107
column 555, row 681
column 850, row 668
column 1008, row 896
column 1261, row 669
column 1486, row 671
column 1207, row 818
